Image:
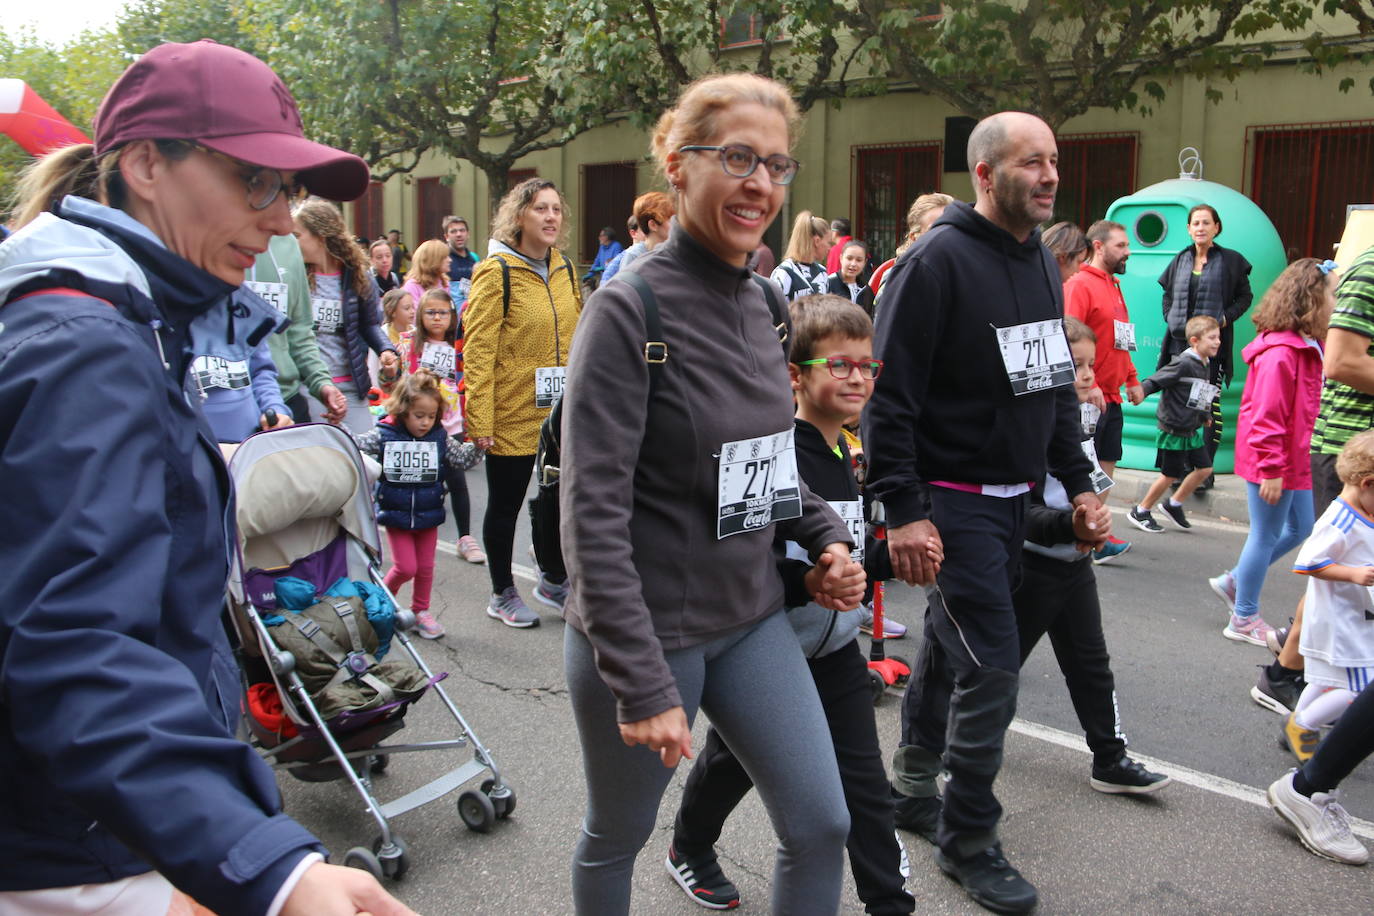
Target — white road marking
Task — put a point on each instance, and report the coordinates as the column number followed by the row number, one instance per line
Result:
column 1218, row 785
column 520, row 572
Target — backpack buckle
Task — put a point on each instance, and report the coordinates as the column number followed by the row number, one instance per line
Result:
column 782, row 332
column 655, row 352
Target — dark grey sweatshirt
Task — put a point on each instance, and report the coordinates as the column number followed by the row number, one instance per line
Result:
column 639, row 484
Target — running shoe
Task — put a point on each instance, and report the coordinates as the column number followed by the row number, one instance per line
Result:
column 509, row 608
column 891, row 628
column 904, row 864
column 428, row 626
column 1322, row 824
column 1175, row 513
column 1127, row 777
column 919, row 815
column 1277, row 694
column 990, row 880
column 1143, row 520
column 551, row 593
column 702, row 880
column 1301, row 741
column 470, row 551
column 1277, row 638
column 1225, row 587
column 1250, row 629
column 1109, row 551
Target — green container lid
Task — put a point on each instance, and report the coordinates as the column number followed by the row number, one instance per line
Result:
column 1156, row 221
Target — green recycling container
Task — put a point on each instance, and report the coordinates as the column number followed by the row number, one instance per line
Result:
column 1156, row 221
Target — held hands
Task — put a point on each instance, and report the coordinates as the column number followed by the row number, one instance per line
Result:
column 916, row 552
column 484, row 443
column 1135, row 393
column 1271, row 489
column 666, row 733
column 836, row 582
column 332, row 890
column 1092, row 521
column 335, row 404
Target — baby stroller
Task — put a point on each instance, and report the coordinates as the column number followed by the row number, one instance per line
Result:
column 305, row 511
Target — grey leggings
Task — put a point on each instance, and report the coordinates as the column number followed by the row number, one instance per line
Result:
column 755, row 687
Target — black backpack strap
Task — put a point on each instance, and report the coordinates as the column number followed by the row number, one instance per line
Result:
column 774, row 297
column 572, row 281
column 505, row 285
column 655, row 347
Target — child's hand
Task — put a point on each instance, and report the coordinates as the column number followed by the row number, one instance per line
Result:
column 1207, row 423
column 836, row 582
column 1362, row 575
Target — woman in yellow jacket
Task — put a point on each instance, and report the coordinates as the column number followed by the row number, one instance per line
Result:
column 518, row 326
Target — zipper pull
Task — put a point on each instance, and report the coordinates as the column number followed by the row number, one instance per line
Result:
column 156, row 325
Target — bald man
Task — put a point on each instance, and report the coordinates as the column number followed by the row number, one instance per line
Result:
column 974, row 405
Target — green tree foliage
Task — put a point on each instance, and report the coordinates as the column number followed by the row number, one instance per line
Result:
column 1060, row 58
column 72, row 78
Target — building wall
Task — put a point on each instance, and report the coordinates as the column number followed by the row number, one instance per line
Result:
column 1276, row 94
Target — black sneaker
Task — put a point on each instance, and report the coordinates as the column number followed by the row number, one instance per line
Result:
column 1143, row 520
column 1127, row 777
column 1277, row 694
column 919, row 815
column 702, row 880
column 990, row 880
column 1175, row 513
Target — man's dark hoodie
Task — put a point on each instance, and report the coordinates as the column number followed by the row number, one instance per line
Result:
column 943, row 408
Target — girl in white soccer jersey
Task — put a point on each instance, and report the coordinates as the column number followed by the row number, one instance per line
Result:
column 1337, row 640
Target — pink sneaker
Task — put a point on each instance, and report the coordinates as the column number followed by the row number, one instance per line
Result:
column 1250, row 629
column 468, row 550
column 429, row 627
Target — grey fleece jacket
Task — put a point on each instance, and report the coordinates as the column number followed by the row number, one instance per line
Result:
column 639, row 481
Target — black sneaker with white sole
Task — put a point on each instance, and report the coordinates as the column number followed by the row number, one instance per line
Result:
column 1143, row 520
column 1175, row 514
column 1127, row 777
column 702, row 880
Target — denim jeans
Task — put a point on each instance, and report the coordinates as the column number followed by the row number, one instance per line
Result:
column 1274, row 530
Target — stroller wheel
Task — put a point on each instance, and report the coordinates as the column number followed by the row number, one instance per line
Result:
column 380, row 762
column 477, row 811
column 365, row 860
column 394, row 861
column 504, row 804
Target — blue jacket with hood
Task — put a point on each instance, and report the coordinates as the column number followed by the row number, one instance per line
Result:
column 117, row 692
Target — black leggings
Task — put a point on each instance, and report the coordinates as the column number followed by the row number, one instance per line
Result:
column 460, row 501
column 1348, row 743
column 508, row 477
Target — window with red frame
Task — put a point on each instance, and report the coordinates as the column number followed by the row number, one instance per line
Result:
column 1094, row 170
column 434, row 201
column 1303, row 175
column 888, row 179
column 742, row 27
column 367, row 213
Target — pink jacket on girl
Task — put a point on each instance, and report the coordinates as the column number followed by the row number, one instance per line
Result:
column 1279, row 408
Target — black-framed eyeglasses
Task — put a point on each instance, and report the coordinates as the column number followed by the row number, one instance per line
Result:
column 262, row 184
column 739, row 161
column 841, row 368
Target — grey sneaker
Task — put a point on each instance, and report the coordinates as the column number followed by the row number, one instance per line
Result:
column 1321, row 823
column 551, row 593
column 509, row 608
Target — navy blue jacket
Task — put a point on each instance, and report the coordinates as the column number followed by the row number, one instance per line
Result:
column 362, row 323
column 117, row 691
column 418, row 504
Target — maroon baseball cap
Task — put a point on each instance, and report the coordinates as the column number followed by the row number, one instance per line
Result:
column 228, row 101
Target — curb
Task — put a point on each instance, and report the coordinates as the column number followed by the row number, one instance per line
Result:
column 1226, row 501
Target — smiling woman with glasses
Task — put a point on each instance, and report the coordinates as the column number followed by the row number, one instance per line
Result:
column 673, row 489
column 118, row 700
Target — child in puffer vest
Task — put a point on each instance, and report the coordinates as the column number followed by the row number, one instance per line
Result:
column 418, row 460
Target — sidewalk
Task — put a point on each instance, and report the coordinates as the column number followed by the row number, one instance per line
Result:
column 1226, row 501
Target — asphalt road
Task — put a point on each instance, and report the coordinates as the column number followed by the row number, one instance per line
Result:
column 1206, row 844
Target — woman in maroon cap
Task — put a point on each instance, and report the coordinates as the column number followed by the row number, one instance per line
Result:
column 117, row 693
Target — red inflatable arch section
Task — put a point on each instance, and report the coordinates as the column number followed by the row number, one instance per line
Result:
column 31, row 122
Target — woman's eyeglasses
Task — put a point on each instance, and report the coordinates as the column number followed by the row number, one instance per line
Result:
column 739, row 161
column 262, row 184
column 842, row 368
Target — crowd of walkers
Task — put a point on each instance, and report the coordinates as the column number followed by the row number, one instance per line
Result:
column 716, row 409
